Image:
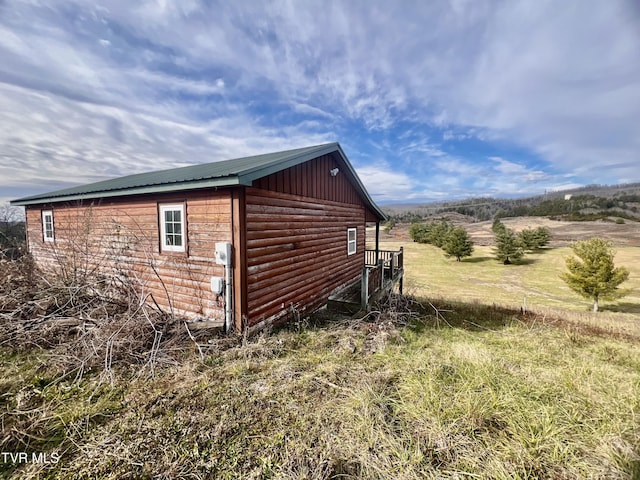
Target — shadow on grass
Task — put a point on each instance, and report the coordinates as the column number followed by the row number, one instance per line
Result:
column 621, row 307
column 421, row 314
column 524, row 261
column 432, row 314
column 469, row 316
column 478, row 259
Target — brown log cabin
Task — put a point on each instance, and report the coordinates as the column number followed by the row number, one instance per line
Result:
column 245, row 243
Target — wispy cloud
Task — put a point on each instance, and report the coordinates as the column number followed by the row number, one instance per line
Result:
column 456, row 97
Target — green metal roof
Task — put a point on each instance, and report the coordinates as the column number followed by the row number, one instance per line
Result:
column 227, row 173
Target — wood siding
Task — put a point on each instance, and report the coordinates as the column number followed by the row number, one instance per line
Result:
column 121, row 236
column 289, row 236
column 297, row 252
column 313, row 180
column 296, row 239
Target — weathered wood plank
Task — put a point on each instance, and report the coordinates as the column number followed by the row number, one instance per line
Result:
column 124, row 232
column 263, row 197
column 264, row 260
column 280, row 278
column 297, row 249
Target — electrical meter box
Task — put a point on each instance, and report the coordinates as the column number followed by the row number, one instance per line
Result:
column 223, row 253
column 217, row 285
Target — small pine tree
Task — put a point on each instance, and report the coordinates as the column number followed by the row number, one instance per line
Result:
column 534, row 239
column 593, row 274
column 497, row 226
column 508, row 248
column 433, row 233
column 419, row 232
column 438, row 233
column 458, row 244
column 528, row 239
column 543, row 236
column 388, row 226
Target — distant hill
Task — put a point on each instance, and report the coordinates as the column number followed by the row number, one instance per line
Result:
column 592, row 202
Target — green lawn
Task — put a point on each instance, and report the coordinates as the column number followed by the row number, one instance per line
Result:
column 481, row 278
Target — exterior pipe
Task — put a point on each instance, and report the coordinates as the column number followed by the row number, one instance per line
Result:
column 227, row 299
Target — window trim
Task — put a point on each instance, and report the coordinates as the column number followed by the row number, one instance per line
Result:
column 45, row 237
column 353, row 242
column 164, row 246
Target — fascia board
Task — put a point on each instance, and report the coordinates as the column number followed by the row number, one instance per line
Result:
column 217, row 182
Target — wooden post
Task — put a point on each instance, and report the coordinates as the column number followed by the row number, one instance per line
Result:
column 393, row 261
column 377, row 241
column 401, row 266
column 364, row 288
column 381, row 267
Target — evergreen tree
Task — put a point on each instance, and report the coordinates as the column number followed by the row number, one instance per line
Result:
column 534, row 239
column 438, row 233
column 497, row 226
column 388, row 226
column 458, row 243
column 593, row 274
column 434, row 233
column 528, row 239
column 419, row 232
column 508, row 248
column 543, row 236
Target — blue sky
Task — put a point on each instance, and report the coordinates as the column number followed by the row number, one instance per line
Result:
column 430, row 100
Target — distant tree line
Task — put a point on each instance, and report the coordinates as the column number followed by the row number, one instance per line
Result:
column 584, row 207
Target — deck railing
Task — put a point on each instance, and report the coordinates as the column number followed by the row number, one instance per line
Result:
column 386, row 271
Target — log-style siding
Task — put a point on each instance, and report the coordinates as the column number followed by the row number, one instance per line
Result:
column 121, row 236
column 297, row 252
column 288, row 230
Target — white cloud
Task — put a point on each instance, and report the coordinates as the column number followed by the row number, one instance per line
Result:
column 386, row 185
column 518, row 171
column 92, row 91
column 116, row 142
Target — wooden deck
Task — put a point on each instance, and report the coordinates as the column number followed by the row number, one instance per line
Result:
column 384, row 269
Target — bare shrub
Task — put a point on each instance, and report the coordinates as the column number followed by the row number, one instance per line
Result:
column 86, row 306
column 12, row 232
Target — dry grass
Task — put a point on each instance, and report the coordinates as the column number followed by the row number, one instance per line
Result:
column 443, row 387
column 478, row 392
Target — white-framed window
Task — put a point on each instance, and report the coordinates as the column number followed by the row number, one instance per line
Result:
column 47, row 225
column 352, row 245
column 172, row 229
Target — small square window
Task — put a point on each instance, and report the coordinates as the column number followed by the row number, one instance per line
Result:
column 172, row 228
column 47, row 226
column 351, row 241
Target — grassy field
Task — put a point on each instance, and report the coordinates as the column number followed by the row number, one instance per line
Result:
column 481, row 278
column 480, row 391
column 488, row 394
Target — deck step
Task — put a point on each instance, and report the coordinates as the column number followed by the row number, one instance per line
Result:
column 345, row 299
